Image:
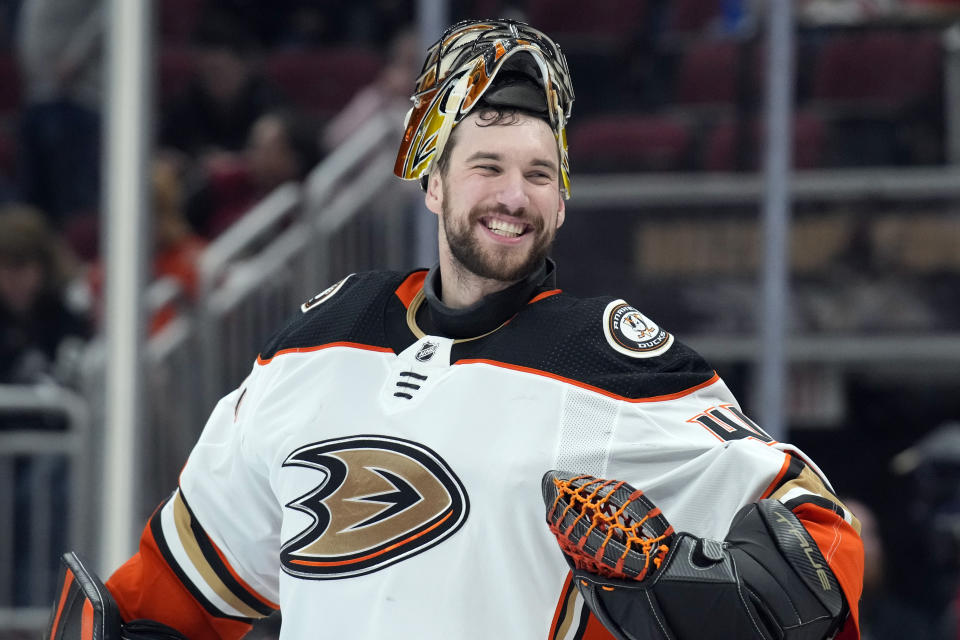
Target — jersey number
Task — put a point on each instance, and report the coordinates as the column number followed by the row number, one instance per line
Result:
column 727, row 422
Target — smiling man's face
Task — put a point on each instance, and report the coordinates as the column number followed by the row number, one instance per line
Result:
column 498, row 199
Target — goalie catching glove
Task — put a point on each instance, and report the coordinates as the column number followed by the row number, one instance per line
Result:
column 767, row 580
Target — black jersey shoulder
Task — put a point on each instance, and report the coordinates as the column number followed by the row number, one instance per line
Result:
column 348, row 311
column 564, row 336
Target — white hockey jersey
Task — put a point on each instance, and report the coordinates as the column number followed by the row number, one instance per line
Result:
column 375, row 481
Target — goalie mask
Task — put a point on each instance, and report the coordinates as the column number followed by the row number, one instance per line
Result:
column 508, row 64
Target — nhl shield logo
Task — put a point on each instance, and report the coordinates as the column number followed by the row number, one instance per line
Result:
column 632, row 333
column 426, row 351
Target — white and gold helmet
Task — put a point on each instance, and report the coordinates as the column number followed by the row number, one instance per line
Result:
column 461, row 67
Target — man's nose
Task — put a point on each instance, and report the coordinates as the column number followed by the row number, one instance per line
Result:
column 513, row 192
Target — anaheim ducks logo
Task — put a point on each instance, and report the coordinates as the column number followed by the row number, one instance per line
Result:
column 632, row 333
column 382, row 501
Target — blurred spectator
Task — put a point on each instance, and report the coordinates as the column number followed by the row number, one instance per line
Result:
column 932, row 465
column 176, row 247
column 883, row 614
column 40, row 334
column 388, row 93
column 282, row 23
column 8, row 21
column 282, row 147
column 375, row 21
column 953, row 617
column 225, row 97
column 59, row 47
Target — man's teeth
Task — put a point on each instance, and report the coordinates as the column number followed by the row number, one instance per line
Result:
column 504, row 228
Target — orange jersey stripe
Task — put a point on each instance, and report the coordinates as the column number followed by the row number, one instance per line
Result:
column 146, row 587
column 350, row 345
column 408, row 290
column 545, row 294
column 588, row 387
column 843, row 551
column 776, row 481
column 338, row 563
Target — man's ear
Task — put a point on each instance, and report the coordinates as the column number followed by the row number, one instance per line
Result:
column 561, row 212
column 434, row 196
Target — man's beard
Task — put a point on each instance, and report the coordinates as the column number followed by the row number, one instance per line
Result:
column 467, row 250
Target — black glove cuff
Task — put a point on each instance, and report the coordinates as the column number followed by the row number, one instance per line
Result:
column 149, row 630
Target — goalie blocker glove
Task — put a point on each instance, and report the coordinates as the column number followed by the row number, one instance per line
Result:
column 767, row 580
column 85, row 610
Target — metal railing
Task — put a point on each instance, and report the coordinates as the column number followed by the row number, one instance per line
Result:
column 666, row 197
column 349, row 215
column 45, row 495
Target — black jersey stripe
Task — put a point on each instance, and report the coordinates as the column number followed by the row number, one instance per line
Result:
column 567, row 598
column 820, row 501
column 156, row 528
column 217, row 565
column 584, row 620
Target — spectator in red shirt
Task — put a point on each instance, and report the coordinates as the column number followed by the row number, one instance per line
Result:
column 281, row 147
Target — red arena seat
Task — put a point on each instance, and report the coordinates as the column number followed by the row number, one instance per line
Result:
column 322, row 81
column 630, row 142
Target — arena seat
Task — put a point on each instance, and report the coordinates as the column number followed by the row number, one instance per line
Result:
column 10, row 85
column 630, row 142
column 614, row 21
column 322, row 81
column 880, row 91
column 176, row 66
column 689, row 16
column 178, row 19
column 886, row 68
column 707, row 73
column 721, row 151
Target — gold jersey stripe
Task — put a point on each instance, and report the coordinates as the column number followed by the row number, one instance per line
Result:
column 810, row 482
column 189, row 543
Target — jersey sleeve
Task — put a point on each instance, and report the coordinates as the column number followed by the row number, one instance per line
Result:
column 207, row 560
column 701, row 459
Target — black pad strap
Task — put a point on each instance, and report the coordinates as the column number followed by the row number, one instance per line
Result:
column 149, row 630
column 84, row 609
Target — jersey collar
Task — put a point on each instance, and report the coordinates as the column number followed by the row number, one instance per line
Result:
column 485, row 315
